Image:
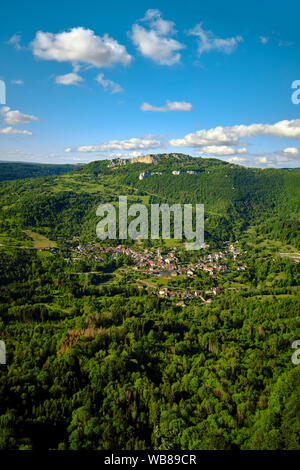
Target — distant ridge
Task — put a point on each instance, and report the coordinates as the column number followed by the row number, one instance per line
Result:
column 20, row 170
column 149, row 159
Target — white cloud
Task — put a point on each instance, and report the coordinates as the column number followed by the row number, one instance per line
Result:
column 15, row 41
column 17, row 82
column 263, row 39
column 80, row 46
column 155, row 21
column 209, row 42
column 148, row 142
column 69, row 79
column 242, row 150
column 108, row 84
column 128, row 155
column 216, row 136
column 290, row 129
column 231, row 135
column 155, row 41
column 15, row 117
column 237, row 160
column 170, row 106
column 263, row 160
column 11, row 130
column 289, row 156
column 135, row 154
column 270, row 160
column 292, row 151
column 221, row 150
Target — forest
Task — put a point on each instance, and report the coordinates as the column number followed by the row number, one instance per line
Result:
column 18, row 170
column 98, row 360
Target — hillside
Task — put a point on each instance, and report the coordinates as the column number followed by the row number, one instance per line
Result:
column 235, row 198
column 145, row 345
column 19, row 170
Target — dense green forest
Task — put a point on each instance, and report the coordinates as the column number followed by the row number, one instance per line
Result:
column 98, row 359
column 18, row 170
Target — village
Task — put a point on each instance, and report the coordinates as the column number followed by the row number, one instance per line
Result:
column 157, row 264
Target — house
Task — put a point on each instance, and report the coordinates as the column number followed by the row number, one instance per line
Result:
column 242, row 268
column 217, row 290
column 163, row 292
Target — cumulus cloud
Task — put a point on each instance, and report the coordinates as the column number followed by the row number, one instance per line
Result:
column 271, row 160
column 135, row 154
column 17, row 82
column 289, row 156
column 215, row 136
column 155, row 21
column 155, row 41
column 15, row 117
column 170, row 106
column 208, row 42
column 107, row 84
column 143, row 143
column 292, row 151
column 290, row 129
column 69, row 79
column 237, row 160
column 263, row 160
column 80, row 46
column 231, row 135
column 221, row 150
column 11, row 130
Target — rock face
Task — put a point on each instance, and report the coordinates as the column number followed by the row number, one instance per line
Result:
column 144, row 175
column 115, row 162
column 145, row 159
column 148, row 159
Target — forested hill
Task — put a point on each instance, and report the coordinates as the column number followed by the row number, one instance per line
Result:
column 134, row 348
column 19, row 170
column 235, row 197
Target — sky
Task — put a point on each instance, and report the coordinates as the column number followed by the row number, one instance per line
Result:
column 90, row 80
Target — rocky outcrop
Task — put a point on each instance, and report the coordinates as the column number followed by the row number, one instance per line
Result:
column 116, row 162
column 148, row 159
column 144, row 175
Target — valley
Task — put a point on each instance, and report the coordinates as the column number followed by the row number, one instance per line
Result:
column 141, row 344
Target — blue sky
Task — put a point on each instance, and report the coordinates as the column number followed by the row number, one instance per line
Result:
column 86, row 80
